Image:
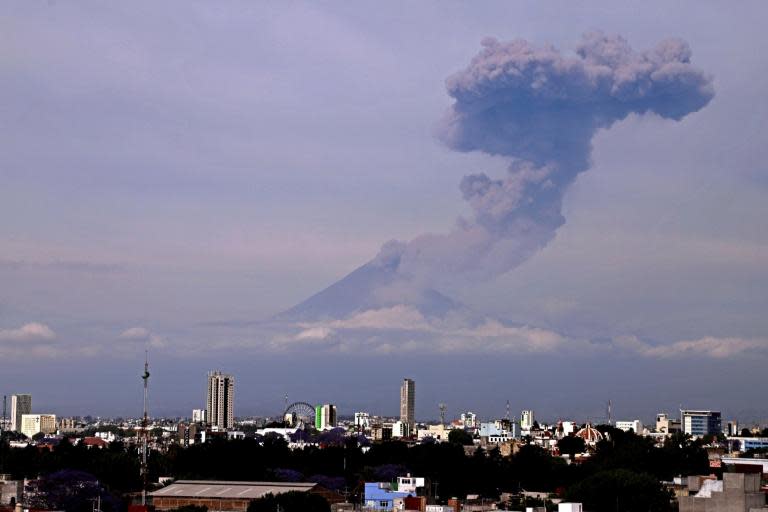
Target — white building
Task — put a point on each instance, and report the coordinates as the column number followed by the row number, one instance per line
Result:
column 437, row 432
column 526, row 420
column 20, row 405
column 32, row 424
column 498, row 432
column 401, row 429
column 199, row 416
column 469, row 419
column 362, row 420
column 409, row 484
column 635, row 425
column 325, row 416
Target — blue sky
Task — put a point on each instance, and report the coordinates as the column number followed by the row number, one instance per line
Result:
column 173, row 174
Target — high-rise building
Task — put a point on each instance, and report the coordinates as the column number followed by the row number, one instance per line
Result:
column 701, row 423
column 20, row 405
column 408, row 401
column 362, row 420
column 219, row 409
column 325, row 416
column 468, row 419
column 526, row 420
column 199, row 416
column 32, row 424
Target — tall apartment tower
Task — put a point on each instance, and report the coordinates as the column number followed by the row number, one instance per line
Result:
column 526, row 420
column 407, row 402
column 219, row 406
column 325, row 416
column 20, row 405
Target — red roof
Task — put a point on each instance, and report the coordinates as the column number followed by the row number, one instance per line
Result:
column 95, row 441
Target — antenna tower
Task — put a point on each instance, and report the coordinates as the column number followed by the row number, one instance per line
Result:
column 609, row 414
column 442, row 413
column 144, row 432
column 507, row 414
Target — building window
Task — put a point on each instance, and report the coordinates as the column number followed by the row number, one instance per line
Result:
column 384, row 504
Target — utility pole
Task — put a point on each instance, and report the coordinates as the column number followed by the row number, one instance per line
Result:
column 144, row 433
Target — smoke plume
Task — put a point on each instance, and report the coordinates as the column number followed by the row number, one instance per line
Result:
column 541, row 109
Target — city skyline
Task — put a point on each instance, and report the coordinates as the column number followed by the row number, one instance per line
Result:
column 561, row 205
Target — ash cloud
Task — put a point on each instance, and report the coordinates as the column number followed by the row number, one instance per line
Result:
column 541, row 109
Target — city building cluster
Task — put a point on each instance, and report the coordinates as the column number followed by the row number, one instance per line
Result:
column 304, row 425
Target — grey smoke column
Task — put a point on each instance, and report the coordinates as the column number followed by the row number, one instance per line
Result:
column 541, row 109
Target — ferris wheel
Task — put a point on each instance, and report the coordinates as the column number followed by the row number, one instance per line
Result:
column 300, row 412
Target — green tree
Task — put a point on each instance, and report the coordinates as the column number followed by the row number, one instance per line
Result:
column 460, row 436
column 571, row 445
column 292, row 501
column 620, row 489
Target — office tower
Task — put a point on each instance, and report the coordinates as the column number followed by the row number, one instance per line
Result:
column 325, row 416
column 526, row 420
column 407, row 401
column 700, row 423
column 219, row 406
column 20, row 405
column 32, row 424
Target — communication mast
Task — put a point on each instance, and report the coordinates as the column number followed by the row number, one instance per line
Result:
column 442, row 413
column 609, row 414
column 144, row 433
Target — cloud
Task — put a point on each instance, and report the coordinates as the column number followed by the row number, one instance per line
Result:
column 319, row 333
column 31, row 332
column 143, row 334
column 540, row 109
column 404, row 329
column 709, row 346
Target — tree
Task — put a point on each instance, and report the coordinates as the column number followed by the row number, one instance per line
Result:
column 292, row 501
column 745, row 432
column 69, row 490
column 460, row 436
column 620, row 489
column 571, row 445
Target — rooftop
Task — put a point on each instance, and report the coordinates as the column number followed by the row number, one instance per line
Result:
column 228, row 490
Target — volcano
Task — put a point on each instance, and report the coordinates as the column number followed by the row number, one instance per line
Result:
column 375, row 285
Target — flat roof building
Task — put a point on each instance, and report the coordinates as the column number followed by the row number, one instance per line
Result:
column 700, row 423
column 226, row 496
column 32, row 424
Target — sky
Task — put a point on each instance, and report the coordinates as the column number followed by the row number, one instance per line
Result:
column 174, row 176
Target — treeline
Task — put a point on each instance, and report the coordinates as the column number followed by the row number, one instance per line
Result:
column 626, row 467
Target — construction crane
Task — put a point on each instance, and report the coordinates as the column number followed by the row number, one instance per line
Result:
column 144, row 432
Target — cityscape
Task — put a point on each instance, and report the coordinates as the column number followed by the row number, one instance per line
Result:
column 726, row 450
column 433, row 256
